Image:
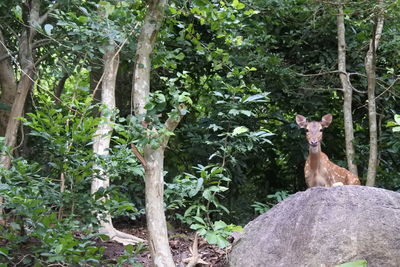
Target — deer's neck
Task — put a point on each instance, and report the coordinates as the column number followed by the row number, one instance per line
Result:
column 315, row 157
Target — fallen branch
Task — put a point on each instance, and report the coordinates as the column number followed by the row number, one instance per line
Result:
column 196, row 257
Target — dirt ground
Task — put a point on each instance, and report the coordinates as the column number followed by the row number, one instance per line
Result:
column 180, row 242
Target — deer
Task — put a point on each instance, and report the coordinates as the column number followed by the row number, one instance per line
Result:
column 319, row 170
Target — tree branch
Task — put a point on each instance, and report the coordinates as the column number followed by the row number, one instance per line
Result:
column 321, row 73
column 43, row 18
column 172, row 122
column 139, row 156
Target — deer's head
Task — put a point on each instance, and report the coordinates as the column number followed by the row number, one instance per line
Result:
column 314, row 130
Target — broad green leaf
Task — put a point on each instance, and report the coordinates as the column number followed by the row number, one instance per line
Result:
column 199, row 219
column 222, row 242
column 83, row 19
column 219, row 225
column 211, row 237
column 397, row 119
column 237, row 5
column 239, row 130
column 199, row 184
column 180, row 56
column 360, row 263
column 234, row 112
column 248, row 113
column 207, row 194
column 196, row 226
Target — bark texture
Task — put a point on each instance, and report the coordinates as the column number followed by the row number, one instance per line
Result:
column 324, row 226
column 370, row 66
column 101, row 143
column 154, row 158
column 8, row 86
column 27, row 70
column 27, row 67
column 347, row 92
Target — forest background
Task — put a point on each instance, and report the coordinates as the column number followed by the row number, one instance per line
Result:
column 229, row 75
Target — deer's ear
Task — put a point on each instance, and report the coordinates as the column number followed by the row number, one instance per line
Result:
column 301, row 121
column 326, row 120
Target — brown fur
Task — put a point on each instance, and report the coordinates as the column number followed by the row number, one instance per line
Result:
column 319, row 170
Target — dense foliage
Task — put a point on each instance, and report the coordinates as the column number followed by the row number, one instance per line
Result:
column 242, row 68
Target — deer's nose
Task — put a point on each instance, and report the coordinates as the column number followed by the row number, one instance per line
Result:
column 314, row 143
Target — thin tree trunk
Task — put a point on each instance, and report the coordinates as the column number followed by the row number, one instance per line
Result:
column 101, row 144
column 26, row 61
column 8, row 86
column 154, row 158
column 27, row 66
column 347, row 92
column 370, row 66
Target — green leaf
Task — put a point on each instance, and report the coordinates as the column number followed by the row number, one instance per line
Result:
column 396, row 129
column 83, row 19
column 197, row 226
column 180, row 56
column 397, row 119
column 4, row 187
column 199, row 219
column 222, row 242
column 211, row 237
column 4, row 252
column 17, row 10
column 207, row 194
column 239, row 130
column 219, row 225
column 248, row 113
column 255, row 98
column 359, row 263
column 237, row 5
column 129, row 249
column 59, row 248
column 15, row 226
column 194, row 191
column 56, row 259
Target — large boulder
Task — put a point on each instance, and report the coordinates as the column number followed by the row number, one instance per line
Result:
column 324, row 227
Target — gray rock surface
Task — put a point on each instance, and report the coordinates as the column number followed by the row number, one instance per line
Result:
column 324, row 227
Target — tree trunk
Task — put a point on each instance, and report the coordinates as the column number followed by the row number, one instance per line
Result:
column 347, row 92
column 155, row 216
column 154, row 158
column 27, row 67
column 8, row 86
column 370, row 66
column 101, row 143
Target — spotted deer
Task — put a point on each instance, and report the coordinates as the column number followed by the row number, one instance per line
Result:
column 319, row 170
